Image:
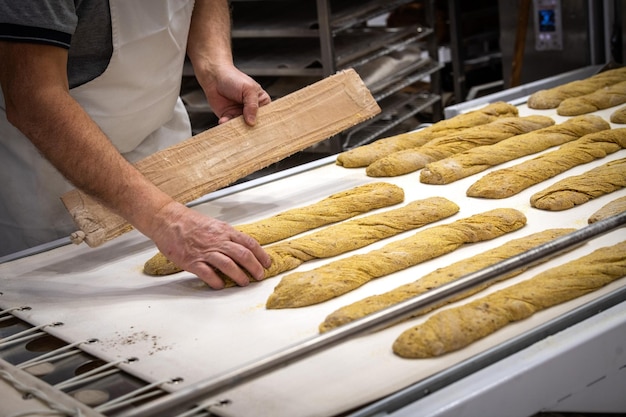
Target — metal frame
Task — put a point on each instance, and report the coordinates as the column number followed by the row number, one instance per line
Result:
column 398, row 312
column 519, row 94
column 542, row 370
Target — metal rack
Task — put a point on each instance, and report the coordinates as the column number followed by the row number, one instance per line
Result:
column 292, row 44
column 471, row 51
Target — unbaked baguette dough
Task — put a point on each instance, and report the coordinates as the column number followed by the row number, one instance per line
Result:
column 439, row 277
column 356, row 233
column 301, row 289
column 337, row 207
column 411, row 160
column 456, row 328
column 579, row 189
column 353, row 234
column 365, row 155
column 552, row 97
column 476, row 160
column 603, row 98
column 609, row 209
column 619, row 116
column 506, row 182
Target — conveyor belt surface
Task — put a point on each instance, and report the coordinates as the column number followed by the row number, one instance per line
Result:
column 179, row 328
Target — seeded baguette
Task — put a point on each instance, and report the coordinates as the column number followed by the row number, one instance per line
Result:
column 455, row 328
column 356, row 233
column 476, row 160
column 353, row 234
column 439, row 277
column 552, row 97
column 410, row 160
column 335, row 208
column 506, row 182
column 579, row 189
column 364, row 155
column 301, row 289
column 610, row 209
column 601, row 99
column 619, row 116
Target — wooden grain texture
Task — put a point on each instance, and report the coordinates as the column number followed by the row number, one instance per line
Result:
column 223, row 154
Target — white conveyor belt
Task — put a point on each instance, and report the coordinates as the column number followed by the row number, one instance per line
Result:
column 179, row 328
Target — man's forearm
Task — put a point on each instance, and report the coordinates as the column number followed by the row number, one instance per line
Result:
column 38, row 103
column 34, row 82
column 75, row 145
column 209, row 41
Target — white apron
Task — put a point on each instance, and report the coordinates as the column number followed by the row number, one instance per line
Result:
column 135, row 102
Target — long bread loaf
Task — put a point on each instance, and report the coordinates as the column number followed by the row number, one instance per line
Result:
column 301, row 289
column 609, row 209
column 603, row 98
column 353, row 234
column 439, row 277
column 506, row 182
column 579, row 189
column 356, row 233
column 619, row 116
column 365, row 155
column 476, row 160
column 337, row 207
column 410, row 160
column 456, row 328
column 552, row 97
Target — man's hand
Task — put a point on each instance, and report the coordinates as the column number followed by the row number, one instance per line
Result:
column 231, row 93
column 203, row 245
column 34, row 82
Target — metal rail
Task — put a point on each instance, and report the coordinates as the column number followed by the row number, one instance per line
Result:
column 183, row 399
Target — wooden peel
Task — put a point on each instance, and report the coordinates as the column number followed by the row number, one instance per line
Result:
column 223, row 154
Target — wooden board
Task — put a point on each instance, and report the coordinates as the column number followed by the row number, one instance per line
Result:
column 223, row 154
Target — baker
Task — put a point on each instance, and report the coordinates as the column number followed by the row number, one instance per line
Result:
column 90, row 86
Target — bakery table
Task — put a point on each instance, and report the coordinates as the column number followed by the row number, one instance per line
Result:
column 176, row 333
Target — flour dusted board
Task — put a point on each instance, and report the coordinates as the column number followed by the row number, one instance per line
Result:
column 223, row 154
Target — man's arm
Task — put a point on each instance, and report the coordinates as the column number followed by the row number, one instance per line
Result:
column 34, row 82
column 229, row 91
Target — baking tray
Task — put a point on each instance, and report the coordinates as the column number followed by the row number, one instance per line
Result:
column 179, row 328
